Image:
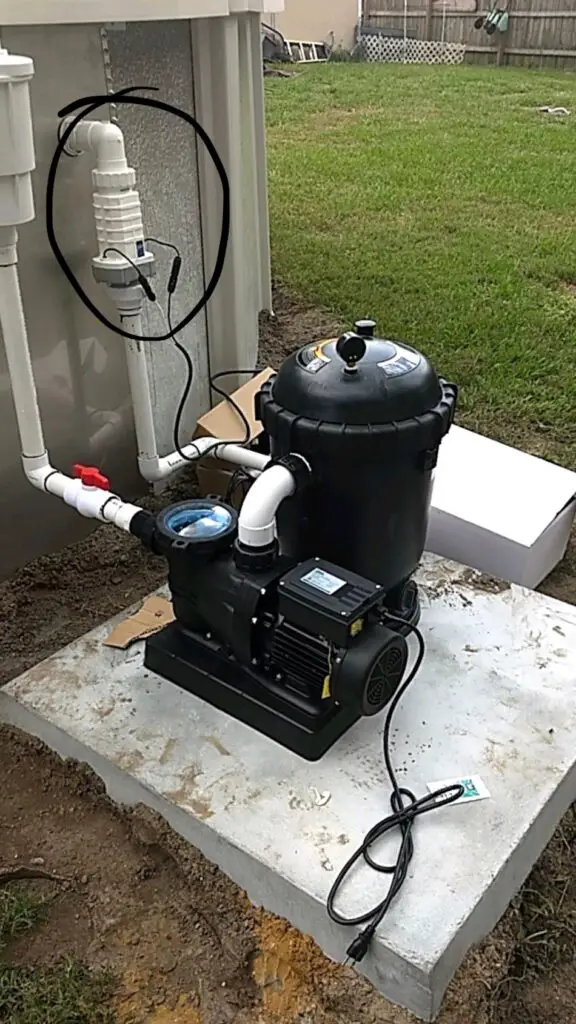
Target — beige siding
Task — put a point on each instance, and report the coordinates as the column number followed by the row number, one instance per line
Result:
column 317, row 20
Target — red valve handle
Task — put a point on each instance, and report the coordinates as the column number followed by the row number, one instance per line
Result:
column 91, row 476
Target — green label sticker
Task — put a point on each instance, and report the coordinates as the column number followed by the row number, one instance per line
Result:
column 474, row 788
column 469, row 789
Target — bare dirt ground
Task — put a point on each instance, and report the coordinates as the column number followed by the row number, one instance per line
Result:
column 183, row 942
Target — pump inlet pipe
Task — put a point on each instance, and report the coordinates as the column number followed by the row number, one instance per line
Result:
column 88, row 491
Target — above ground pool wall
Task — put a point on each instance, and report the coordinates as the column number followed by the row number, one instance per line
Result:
column 79, row 365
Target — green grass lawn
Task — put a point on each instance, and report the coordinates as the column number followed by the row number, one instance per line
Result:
column 67, row 992
column 443, row 204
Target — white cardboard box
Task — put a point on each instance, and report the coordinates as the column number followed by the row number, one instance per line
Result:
column 500, row 510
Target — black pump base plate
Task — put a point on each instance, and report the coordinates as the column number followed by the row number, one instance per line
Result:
column 246, row 694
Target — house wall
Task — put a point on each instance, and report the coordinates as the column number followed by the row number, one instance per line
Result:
column 319, row 20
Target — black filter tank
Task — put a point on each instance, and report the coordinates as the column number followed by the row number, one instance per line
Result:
column 369, row 415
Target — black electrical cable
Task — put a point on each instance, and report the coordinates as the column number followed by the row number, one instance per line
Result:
column 405, row 809
column 83, row 108
column 228, row 398
column 186, row 392
column 239, row 478
column 176, row 262
column 165, row 245
column 142, row 281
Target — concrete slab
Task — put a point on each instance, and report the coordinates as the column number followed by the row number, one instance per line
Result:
column 494, row 698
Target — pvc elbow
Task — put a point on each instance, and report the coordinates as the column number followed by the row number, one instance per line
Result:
column 257, row 520
column 153, row 470
column 48, row 479
column 102, row 138
column 109, row 146
column 37, row 475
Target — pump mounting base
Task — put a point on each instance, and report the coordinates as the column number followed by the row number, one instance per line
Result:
column 246, row 694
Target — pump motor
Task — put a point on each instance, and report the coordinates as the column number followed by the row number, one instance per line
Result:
column 299, row 629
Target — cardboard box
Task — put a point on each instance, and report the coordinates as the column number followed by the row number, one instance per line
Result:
column 223, row 420
column 216, row 482
column 500, row 510
column 214, row 475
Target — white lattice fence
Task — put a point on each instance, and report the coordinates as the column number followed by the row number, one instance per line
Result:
column 411, row 51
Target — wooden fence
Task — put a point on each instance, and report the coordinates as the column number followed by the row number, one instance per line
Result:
column 541, row 33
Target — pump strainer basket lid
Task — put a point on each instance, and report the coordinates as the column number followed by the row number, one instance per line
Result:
column 203, row 520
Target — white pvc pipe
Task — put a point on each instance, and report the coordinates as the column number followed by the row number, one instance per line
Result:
column 240, row 456
column 141, row 400
column 209, row 446
column 102, row 138
column 17, row 351
column 92, row 502
column 257, row 520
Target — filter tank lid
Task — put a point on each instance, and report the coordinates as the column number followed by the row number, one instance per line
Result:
column 358, row 379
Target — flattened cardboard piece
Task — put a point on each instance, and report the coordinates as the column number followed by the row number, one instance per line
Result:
column 155, row 613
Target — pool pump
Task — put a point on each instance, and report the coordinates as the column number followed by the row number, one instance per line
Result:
column 292, row 615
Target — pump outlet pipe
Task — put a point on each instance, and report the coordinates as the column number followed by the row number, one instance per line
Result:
column 257, row 519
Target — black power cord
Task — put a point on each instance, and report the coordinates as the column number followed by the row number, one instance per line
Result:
column 176, row 264
column 83, row 108
column 170, row 289
column 405, row 809
column 228, row 398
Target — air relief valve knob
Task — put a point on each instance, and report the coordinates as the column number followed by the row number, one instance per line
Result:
column 351, row 348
